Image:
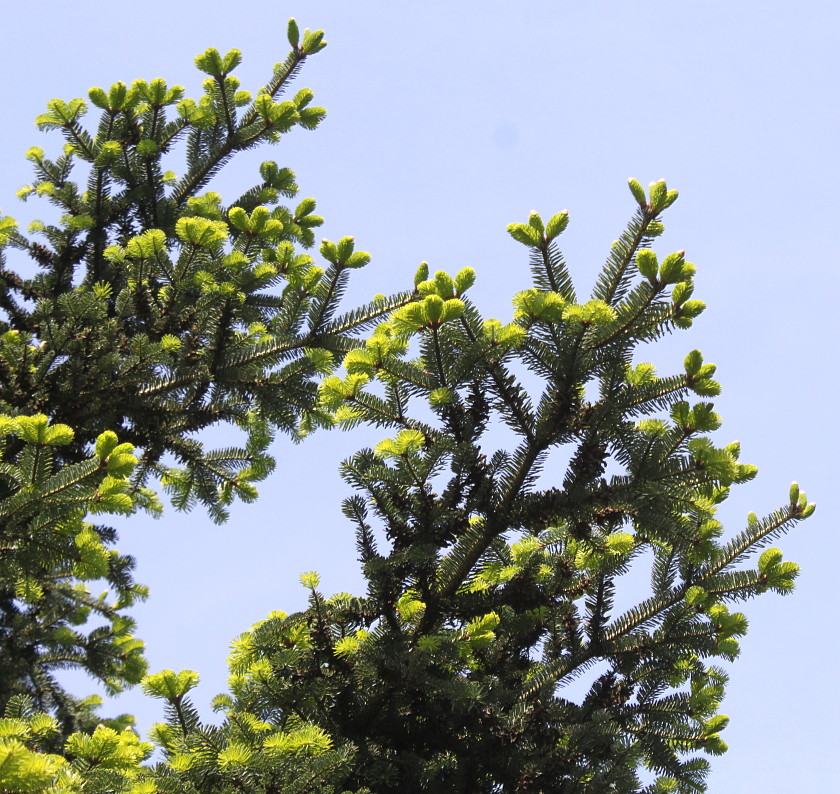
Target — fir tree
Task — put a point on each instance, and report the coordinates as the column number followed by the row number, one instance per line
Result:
column 492, row 583
column 50, row 553
column 155, row 312
column 491, row 576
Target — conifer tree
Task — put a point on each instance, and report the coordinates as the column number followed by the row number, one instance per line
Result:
column 156, row 311
column 49, row 553
column 492, row 574
column 492, row 581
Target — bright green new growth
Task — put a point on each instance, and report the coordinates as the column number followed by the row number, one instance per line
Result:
column 158, row 311
column 106, row 759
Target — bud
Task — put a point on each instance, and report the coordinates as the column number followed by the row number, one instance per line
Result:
column 293, row 33
column 638, row 191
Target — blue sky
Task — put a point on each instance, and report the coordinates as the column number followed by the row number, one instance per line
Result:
column 448, row 121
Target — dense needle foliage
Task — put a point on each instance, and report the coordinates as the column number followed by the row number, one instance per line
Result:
column 154, row 312
column 492, row 573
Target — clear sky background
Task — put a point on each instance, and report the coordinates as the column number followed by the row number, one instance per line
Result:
column 448, row 121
